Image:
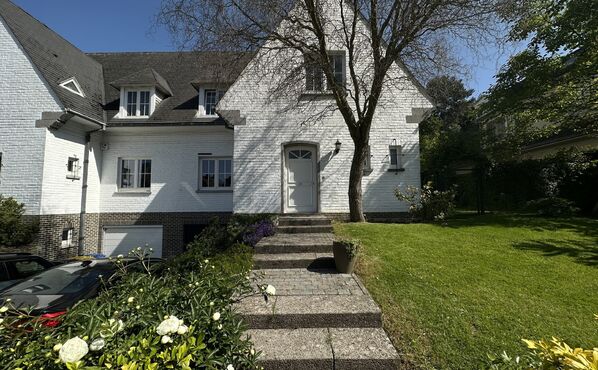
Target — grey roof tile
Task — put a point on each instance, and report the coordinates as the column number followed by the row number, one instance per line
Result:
column 179, row 70
column 57, row 60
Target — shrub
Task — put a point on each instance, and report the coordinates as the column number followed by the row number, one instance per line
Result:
column 179, row 316
column 351, row 246
column 548, row 355
column 427, row 204
column 14, row 230
column 257, row 231
column 552, row 207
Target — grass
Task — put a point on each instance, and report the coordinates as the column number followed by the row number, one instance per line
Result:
column 452, row 294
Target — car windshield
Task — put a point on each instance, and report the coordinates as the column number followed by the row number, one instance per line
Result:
column 71, row 278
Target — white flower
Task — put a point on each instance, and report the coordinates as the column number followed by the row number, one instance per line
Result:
column 166, row 339
column 252, row 351
column 97, row 344
column 137, row 307
column 182, row 329
column 169, row 326
column 57, row 347
column 230, row 367
column 205, row 261
column 216, row 316
column 3, row 309
column 120, row 256
column 73, row 350
column 270, row 290
column 131, row 299
column 211, row 304
column 219, row 326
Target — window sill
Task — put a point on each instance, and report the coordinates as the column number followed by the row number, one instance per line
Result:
column 396, row 170
column 204, row 190
column 73, row 177
column 134, row 191
column 313, row 94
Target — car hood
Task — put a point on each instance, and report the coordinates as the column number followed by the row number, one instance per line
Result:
column 42, row 303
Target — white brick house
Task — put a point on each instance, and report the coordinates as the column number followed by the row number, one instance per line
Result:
column 115, row 150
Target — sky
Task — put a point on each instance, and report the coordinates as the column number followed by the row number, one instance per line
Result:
column 128, row 25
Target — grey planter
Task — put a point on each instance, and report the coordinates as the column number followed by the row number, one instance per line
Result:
column 344, row 261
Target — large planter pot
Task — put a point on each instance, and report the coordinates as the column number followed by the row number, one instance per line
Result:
column 343, row 259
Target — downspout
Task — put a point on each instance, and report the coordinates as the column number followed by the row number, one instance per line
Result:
column 81, row 244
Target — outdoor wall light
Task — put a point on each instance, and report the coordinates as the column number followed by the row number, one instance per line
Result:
column 337, row 146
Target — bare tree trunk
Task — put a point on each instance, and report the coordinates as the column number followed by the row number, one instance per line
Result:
column 355, row 193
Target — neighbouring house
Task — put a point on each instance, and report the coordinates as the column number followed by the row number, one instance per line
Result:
column 112, row 151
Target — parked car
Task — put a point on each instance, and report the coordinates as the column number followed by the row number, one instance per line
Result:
column 15, row 267
column 52, row 292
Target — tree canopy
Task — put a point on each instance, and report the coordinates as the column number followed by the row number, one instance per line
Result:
column 551, row 87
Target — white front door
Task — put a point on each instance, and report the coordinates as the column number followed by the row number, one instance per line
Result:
column 301, row 180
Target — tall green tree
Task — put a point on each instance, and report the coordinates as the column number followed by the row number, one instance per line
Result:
column 551, row 87
column 449, row 136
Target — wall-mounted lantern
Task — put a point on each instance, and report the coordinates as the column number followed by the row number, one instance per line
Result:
column 337, row 146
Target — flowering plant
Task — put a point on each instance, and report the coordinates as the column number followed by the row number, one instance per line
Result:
column 176, row 316
column 426, row 203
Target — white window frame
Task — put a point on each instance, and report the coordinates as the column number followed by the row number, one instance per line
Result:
column 124, row 97
column 216, row 186
column 203, row 98
column 68, row 242
column 78, row 90
column 136, row 175
column 325, row 87
column 73, row 174
column 398, row 157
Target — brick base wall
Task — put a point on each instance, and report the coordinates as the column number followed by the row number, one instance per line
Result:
column 172, row 222
column 49, row 241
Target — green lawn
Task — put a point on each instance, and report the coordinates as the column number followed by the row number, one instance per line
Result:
column 452, row 294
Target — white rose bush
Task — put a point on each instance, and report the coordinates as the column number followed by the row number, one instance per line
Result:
column 176, row 315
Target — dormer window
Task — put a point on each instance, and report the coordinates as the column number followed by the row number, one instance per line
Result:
column 73, row 86
column 137, row 102
column 211, row 99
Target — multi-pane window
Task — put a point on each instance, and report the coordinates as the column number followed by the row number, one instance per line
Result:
column 144, row 103
column 135, row 174
column 138, row 103
column 72, row 168
column 337, row 62
column 216, row 173
column 211, row 99
column 225, row 173
column 315, row 78
column 395, row 156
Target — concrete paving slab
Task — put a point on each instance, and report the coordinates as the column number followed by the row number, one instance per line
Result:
column 315, row 311
column 363, row 349
column 293, row 349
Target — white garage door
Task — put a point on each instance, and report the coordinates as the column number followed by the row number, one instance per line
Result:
column 122, row 239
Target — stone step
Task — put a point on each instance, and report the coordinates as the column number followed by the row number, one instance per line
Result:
column 304, row 282
column 304, row 229
column 316, row 311
column 296, row 243
column 293, row 261
column 303, row 221
column 324, row 349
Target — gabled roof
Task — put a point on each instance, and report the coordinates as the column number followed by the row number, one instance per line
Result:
column 179, row 69
column 148, row 77
column 57, row 60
